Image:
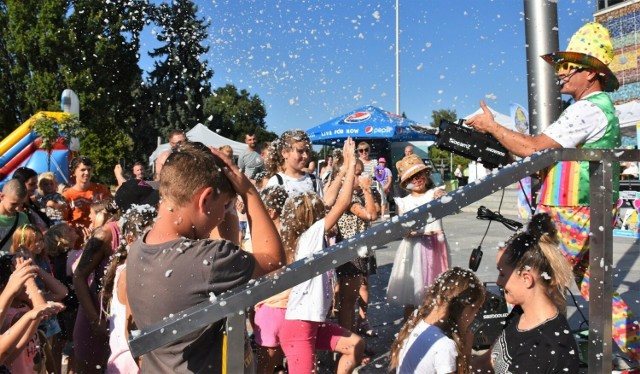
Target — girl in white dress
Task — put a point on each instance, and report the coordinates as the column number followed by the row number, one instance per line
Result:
column 424, row 253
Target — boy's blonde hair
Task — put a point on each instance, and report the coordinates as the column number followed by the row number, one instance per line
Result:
column 47, row 176
column 190, row 168
column 227, row 150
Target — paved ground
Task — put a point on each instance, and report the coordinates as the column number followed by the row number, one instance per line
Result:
column 464, row 232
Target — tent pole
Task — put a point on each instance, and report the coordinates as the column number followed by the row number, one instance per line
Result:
column 398, row 57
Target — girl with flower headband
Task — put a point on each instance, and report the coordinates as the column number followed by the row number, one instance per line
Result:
column 437, row 338
column 424, row 253
column 536, row 336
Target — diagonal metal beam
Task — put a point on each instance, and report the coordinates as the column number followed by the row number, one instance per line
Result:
column 237, row 300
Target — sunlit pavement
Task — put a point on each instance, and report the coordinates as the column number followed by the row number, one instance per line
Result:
column 464, row 232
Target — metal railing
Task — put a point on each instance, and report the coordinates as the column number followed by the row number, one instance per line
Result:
column 232, row 304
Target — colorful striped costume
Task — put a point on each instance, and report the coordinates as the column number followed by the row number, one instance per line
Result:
column 565, row 197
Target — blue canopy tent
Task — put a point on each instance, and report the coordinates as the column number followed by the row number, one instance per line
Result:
column 367, row 122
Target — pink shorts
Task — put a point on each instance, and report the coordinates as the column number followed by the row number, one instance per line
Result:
column 300, row 340
column 268, row 322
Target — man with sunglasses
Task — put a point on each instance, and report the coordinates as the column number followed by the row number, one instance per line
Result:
column 590, row 123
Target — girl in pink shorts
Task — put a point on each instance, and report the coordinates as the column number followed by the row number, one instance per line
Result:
column 303, row 230
column 269, row 314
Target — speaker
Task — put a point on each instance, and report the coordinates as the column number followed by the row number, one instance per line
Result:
column 489, row 321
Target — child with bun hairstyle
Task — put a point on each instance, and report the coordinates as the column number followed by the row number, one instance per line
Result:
column 424, row 253
column 437, row 339
column 536, row 337
column 305, row 328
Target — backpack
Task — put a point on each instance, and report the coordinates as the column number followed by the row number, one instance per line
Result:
column 313, row 180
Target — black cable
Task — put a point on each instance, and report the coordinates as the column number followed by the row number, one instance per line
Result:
column 486, row 214
column 525, row 197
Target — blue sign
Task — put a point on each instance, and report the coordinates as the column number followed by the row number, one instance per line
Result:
column 367, row 122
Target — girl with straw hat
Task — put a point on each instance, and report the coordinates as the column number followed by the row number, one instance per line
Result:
column 424, row 253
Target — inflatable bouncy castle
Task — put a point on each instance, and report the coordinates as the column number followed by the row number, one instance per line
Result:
column 22, row 148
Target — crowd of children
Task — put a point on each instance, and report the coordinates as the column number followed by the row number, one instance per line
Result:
column 60, row 323
column 76, row 282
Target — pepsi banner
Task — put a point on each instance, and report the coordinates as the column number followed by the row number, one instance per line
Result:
column 367, row 122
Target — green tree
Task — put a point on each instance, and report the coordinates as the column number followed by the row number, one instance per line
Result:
column 51, row 130
column 179, row 81
column 233, row 114
column 104, row 73
column 9, row 108
column 32, row 48
column 442, row 157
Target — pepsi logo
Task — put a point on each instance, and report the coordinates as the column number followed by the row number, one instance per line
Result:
column 357, row 117
column 368, row 130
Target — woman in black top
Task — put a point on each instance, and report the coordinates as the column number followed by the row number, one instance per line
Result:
column 536, row 337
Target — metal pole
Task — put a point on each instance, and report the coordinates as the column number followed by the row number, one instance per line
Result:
column 541, row 32
column 600, row 266
column 398, row 57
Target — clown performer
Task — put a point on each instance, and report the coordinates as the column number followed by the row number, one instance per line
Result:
column 589, row 123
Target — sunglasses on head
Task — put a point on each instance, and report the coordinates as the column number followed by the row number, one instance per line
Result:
column 568, row 66
column 363, row 150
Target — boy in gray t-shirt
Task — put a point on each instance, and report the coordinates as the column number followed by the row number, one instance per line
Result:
column 176, row 265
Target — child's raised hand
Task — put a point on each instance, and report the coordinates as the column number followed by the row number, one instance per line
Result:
column 365, row 182
column 24, row 270
column 44, row 311
column 349, row 151
column 438, row 193
column 238, row 180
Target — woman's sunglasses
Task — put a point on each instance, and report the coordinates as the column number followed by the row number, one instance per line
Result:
column 363, row 150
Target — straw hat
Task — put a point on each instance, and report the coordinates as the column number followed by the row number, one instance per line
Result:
column 590, row 46
column 410, row 166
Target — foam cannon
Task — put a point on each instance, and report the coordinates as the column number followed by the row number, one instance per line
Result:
column 465, row 141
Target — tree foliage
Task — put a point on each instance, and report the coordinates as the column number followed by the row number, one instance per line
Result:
column 233, row 114
column 439, row 156
column 180, row 79
column 93, row 48
column 50, row 130
column 32, row 50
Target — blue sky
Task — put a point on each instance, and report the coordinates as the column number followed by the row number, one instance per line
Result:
column 310, row 61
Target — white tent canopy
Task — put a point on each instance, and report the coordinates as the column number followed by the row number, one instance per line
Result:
column 502, row 119
column 200, row 133
column 629, row 116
